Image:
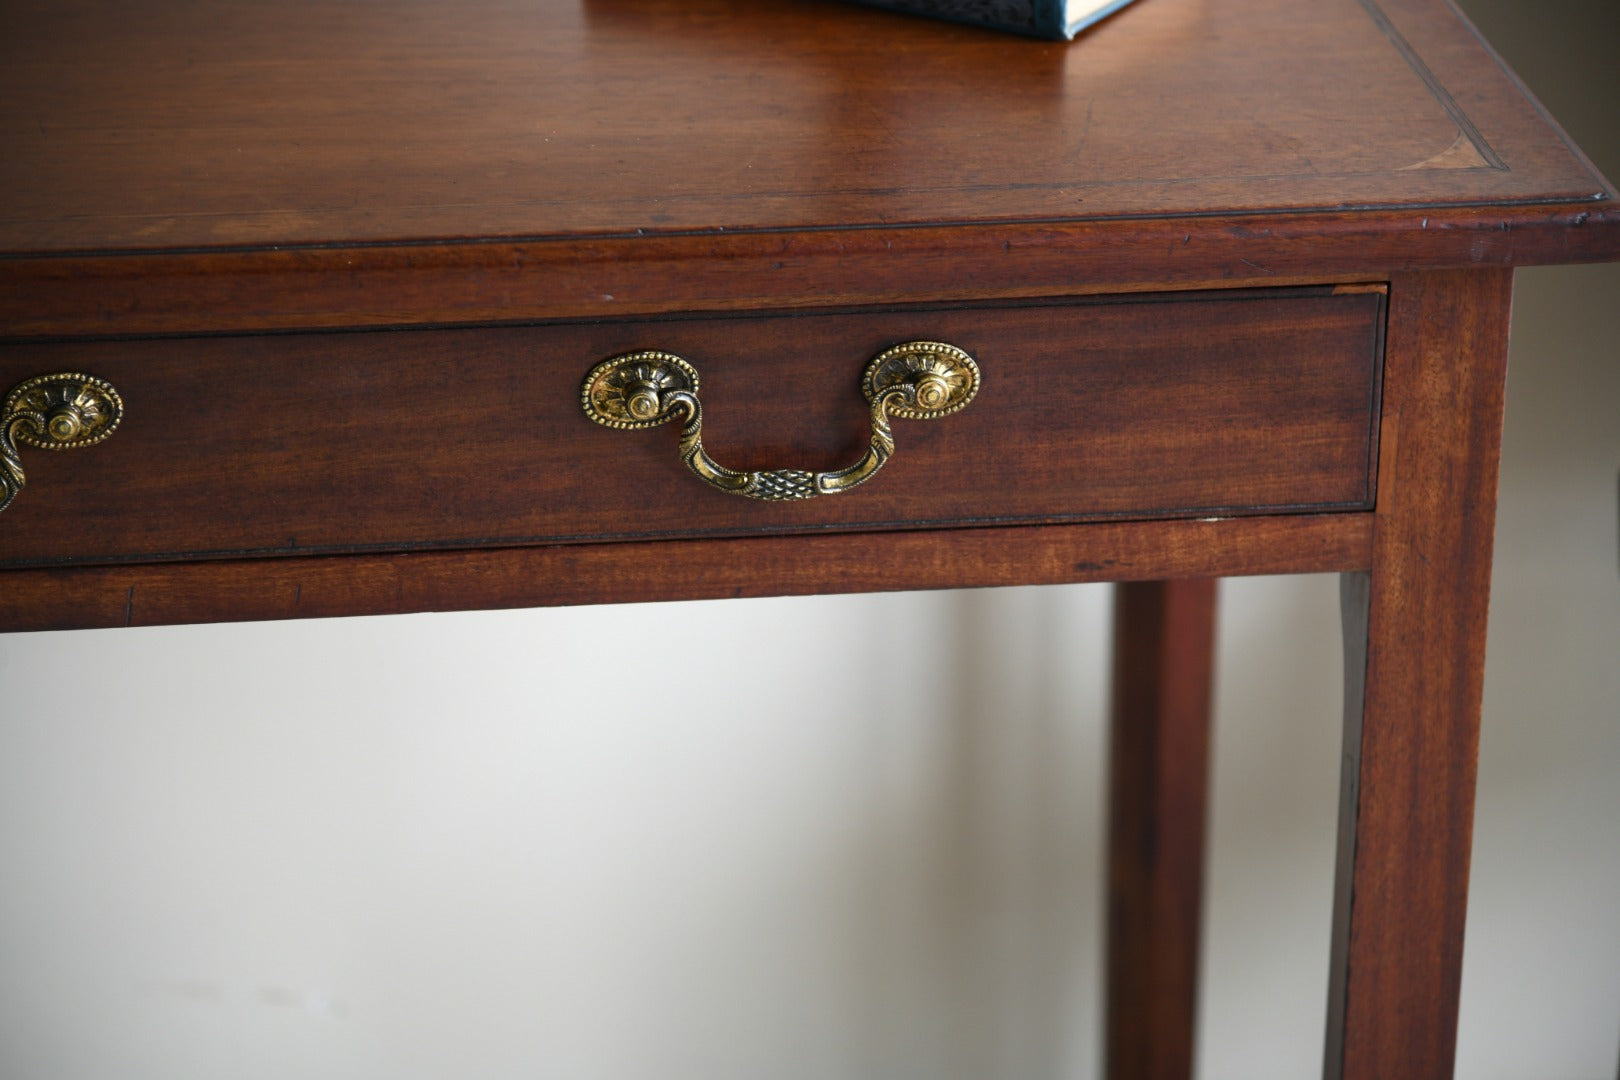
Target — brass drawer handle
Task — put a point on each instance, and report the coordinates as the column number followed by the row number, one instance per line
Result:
column 919, row 380
column 53, row 412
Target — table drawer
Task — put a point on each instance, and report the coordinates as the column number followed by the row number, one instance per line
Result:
column 1150, row 406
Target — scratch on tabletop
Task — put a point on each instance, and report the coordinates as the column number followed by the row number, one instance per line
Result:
column 1085, row 130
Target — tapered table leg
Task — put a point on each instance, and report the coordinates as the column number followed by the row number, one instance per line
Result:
column 1163, row 646
column 1414, row 648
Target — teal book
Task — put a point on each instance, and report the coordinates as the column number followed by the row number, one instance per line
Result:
column 1059, row 20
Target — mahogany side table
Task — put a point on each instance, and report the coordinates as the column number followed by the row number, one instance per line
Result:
column 323, row 299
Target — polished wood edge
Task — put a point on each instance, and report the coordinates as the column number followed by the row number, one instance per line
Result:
column 1158, row 775
column 146, row 595
column 610, row 277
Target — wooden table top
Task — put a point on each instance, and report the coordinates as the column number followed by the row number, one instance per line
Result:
column 1367, row 133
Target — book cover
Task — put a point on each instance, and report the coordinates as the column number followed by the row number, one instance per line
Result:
column 1058, row 20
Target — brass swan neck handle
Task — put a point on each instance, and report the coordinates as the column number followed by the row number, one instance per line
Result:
column 53, row 412
column 919, row 380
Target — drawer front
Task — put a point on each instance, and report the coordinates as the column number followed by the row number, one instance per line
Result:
column 1138, row 407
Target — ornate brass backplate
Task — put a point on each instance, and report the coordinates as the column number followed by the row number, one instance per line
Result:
column 919, row 380
column 63, row 411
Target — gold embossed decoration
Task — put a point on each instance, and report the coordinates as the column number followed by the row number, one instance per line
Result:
column 920, row 380
column 627, row 391
column 946, row 378
column 53, row 412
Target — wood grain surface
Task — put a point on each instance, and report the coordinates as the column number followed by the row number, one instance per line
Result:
column 224, row 122
column 1414, row 669
column 307, row 164
column 1158, row 778
column 1139, row 407
column 156, row 594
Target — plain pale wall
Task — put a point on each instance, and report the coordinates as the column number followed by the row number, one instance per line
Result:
column 1541, row 968
column 830, row 837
